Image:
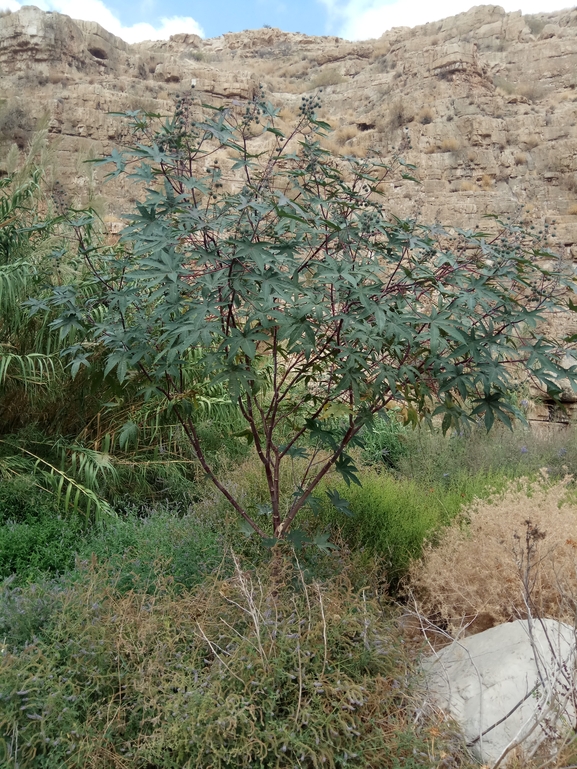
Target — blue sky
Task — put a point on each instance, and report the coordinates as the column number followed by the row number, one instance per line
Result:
column 352, row 19
column 218, row 16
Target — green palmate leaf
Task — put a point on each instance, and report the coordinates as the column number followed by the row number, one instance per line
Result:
column 295, row 452
column 269, row 542
column 322, row 542
column 339, row 502
column 245, row 528
column 318, row 433
column 314, row 504
column 298, row 539
column 347, row 469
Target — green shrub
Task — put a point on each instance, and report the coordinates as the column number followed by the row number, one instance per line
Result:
column 137, row 549
column 22, row 500
column 246, row 673
column 36, row 541
column 34, row 548
column 389, row 516
column 535, row 24
column 385, row 442
column 25, row 611
column 34, row 538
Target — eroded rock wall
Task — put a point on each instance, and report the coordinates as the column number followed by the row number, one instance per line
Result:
column 484, row 103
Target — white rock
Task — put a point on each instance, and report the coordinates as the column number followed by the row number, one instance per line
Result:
column 504, row 689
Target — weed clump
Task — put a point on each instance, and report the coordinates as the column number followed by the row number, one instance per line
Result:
column 251, row 671
column 327, row 77
column 389, row 517
column 35, row 539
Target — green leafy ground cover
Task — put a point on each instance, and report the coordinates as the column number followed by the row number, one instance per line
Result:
column 247, row 672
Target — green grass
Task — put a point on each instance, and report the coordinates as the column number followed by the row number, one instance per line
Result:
column 392, row 517
column 432, row 457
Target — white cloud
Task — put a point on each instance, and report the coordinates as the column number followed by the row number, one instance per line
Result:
column 96, row 10
column 361, row 19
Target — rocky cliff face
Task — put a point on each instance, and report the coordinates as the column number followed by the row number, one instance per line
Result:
column 483, row 103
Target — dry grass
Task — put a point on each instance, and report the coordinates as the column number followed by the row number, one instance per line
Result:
column 520, row 159
column 572, row 210
column 564, row 96
column 425, row 116
column 345, row 134
column 531, row 91
column 487, row 182
column 531, row 141
column 447, row 145
column 465, row 185
column 400, row 114
column 326, row 77
column 569, row 181
column 504, row 85
column 474, row 576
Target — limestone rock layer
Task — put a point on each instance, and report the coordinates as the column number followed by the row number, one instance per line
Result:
column 483, row 103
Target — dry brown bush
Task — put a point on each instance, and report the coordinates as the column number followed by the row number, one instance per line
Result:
column 425, row 116
column 504, row 85
column 448, row 145
column 531, row 91
column 400, row 114
column 345, row 134
column 530, row 141
column 474, row 576
column 326, row 77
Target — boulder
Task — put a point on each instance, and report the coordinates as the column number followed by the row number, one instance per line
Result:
column 511, row 685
